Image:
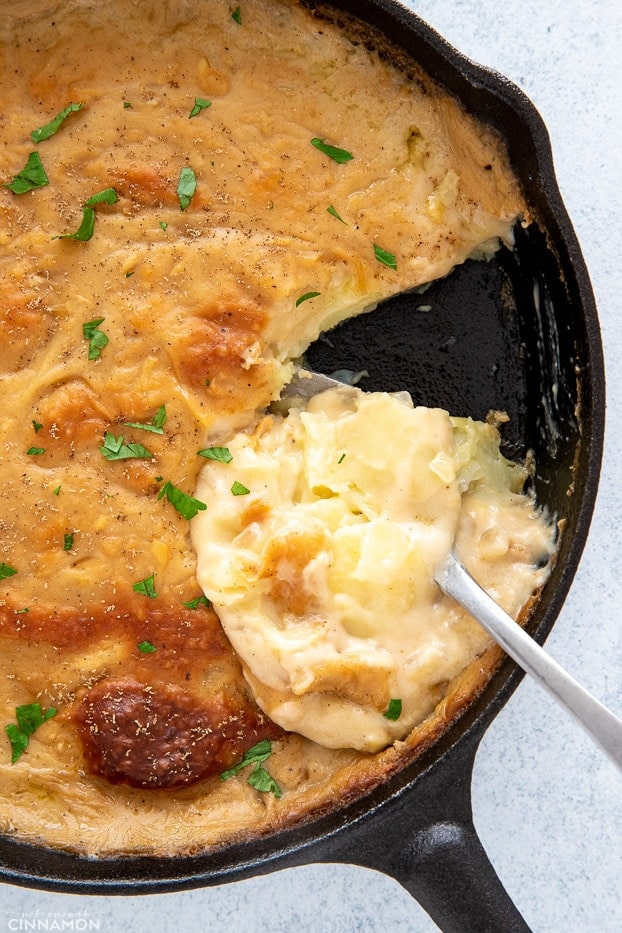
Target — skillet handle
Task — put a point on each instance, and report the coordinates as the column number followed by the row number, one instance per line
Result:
column 427, row 842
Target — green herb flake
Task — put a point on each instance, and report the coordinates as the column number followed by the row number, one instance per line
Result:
column 221, row 454
column 333, row 211
column 56, row 492
column 20, row 612
column 146, row 647
column 186, row 505
column 19, row 741
column 383, row 256
column 37, row 426
column 341, row 458
column 29, row 718
column 259, row 777
column 254, row 756
column 128, row 275
column 35, row 451
column 236, row 16
column 107, row 196
column 6, row 571
column 393, row 710
column 68, row 542
column 263, row 781
column 44, row 132
column 97, row 338
column 146, row 587
column 31, row 176
column 164, row 225
column 186, row 187
column 306, row 297
column 87, row 227
column 333, row 152
column 85, row 230
column 198, row 601
column 156, row 425
column 127, row 104
column 238, row 489
column 115, row 448
column 199, row 104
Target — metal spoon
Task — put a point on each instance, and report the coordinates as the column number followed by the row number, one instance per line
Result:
column 599, row 722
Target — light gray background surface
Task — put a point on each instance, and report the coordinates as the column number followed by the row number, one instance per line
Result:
column 547, row 805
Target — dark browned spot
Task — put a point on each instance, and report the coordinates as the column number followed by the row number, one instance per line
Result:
column 163, row 736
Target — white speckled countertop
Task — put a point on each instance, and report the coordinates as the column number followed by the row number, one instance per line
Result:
column 547, row 805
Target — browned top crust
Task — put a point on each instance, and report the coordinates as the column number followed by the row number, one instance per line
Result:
column 164, row 736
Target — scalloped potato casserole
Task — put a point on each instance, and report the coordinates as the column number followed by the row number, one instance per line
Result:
column 191, row 194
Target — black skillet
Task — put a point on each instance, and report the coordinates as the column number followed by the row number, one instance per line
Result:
column 521, row 334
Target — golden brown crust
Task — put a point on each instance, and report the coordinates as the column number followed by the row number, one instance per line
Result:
column 162, row 736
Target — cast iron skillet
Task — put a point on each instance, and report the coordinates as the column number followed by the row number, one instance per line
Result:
column 521, row 334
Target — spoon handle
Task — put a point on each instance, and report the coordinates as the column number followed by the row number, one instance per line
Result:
column 599, row 722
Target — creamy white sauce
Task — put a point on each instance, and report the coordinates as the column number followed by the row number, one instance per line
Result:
column 322, row 574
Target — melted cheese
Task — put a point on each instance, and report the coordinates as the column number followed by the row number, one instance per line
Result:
column 322, row 573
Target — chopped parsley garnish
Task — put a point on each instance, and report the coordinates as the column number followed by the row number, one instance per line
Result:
column 262, row 780
column 186, row 187
column 331, row 210
column 44, row 132
column 259, row 778
column 37, row 426
column 341, row 458
column 237, row 16
column 29, row 717
column 306, row 297
column 164, row 225
column 56, row 492
column 146, row 647
column 156, row 425
column 146, row 587
column 238, row 489
column 97, row 338
column 31, row 176
column 382, row 255
column 186, row 505
column 85, row 230
column 35, row 451
column 68, row 541
column 333, row 152
column 198, row 601
column 254, row 756
column 114, row 448
column 127, row 104
column 107, row 196
column 221, row 454
column 199, row 104
column 87, row 227
column 6, row 571
column 393, row 710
